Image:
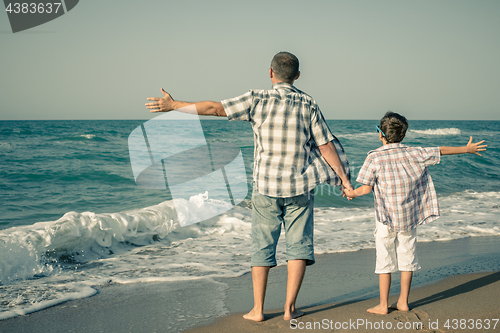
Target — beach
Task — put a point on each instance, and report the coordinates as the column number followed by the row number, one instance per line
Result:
column 80, row 239
column 459, row 279
column 461, row 303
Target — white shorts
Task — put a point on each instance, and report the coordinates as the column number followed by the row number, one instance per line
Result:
column 395, row 250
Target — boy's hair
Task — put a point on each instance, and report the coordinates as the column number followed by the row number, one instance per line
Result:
column 394, row 127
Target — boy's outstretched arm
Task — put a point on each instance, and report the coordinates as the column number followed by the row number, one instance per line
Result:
column 471, row 148
column 360, row 191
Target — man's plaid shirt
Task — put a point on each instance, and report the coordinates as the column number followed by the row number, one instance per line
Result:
column 402, row 186
column 288, row 128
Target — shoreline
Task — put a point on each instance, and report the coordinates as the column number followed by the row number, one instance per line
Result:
column 334, row 287
column 460, row 303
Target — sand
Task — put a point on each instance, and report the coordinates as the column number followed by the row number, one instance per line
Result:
column 434, row 308
column 335, row 293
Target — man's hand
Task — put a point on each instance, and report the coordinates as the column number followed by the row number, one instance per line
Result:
column 163, row 104
column 349, row 193
column 473, row 148
column 346, row 187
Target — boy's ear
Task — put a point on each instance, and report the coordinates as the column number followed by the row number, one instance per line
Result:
column 381, row 138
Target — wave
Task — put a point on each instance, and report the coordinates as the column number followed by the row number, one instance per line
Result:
column 82, row 137
column 438, row 131
column 30, row 251
column 361, row 135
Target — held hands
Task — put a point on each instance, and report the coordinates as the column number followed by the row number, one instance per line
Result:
column 349, row 193
column 346, row 190
column 473, row 148
column 163, row 104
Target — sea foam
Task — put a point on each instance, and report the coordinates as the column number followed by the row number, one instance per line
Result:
column 437, row 131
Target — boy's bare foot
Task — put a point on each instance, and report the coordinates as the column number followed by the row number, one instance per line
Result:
column 254, row 315
column 402, row 307
column 292, row 315
column 379, row 309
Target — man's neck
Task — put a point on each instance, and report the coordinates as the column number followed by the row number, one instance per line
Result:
column 280, row 81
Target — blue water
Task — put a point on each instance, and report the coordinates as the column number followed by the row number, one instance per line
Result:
column 48, row 168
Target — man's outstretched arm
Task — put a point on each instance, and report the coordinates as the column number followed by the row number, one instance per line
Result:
column 167, row 103
column 471, row 148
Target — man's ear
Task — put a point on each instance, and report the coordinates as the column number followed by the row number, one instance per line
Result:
column 297, row 76
column 271, row 73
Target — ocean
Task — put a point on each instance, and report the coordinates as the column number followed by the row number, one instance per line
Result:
column 73, row 218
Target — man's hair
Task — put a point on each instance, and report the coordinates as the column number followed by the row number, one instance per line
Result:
column 285, row 66
column 394, row 127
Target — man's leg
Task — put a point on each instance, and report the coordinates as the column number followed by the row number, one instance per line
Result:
column 296, row 270
column 299, row 227
column 259, row 281
column 266, row 229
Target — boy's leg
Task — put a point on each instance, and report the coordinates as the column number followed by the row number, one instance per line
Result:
column 386, row 263
column 405, row 291
column 259, row 281
column 384, row 285
column 296, row 271
column 407, row 263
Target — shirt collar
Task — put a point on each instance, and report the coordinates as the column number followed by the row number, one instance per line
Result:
column 285, row 86
column 389, row 146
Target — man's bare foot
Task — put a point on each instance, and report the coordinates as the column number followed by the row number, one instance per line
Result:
column 379, row 309
column 293, row 314
column 254, row 315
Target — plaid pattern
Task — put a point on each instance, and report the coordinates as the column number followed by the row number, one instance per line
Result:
column 288, row 127
column 402, row 186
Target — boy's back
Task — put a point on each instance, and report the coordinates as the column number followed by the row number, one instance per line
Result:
column 402, row 186
column 404, row 198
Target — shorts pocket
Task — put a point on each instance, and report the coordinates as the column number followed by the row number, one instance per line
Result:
column 261, row 200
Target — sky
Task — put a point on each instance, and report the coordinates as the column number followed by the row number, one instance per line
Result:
column 358, row 59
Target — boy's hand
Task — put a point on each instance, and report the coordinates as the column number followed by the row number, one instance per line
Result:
column 349, row 193
column 346, row 186
column 473, row 148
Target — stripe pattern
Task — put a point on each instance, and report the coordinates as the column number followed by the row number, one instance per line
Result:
column 288, row 127
column 402, row 186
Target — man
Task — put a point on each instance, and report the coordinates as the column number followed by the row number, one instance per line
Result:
column 294, row 152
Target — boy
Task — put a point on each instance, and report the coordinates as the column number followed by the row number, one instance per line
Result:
column 404, row 198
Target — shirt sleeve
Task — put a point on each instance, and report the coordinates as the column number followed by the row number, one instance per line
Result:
column 366, row 175
column 319, row 129
column 430, row 155
column 238, row 108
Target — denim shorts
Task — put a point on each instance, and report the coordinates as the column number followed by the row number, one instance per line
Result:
column 296, row 215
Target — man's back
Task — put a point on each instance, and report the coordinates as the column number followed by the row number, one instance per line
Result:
column 288, row 127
